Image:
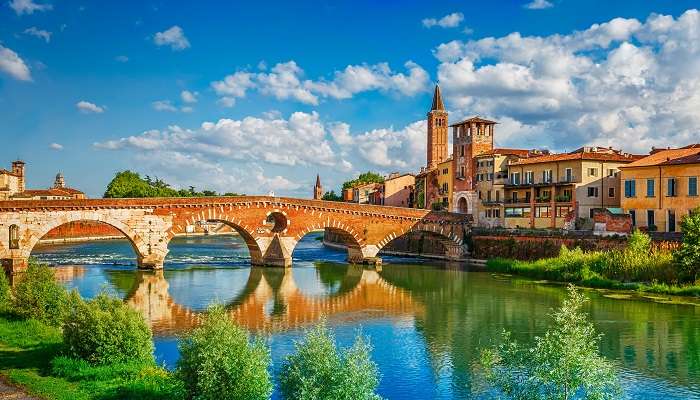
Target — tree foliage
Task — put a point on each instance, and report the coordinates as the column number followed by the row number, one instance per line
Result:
column 331, row 196
column 128, row 184
column 563, row 364
column 39, row 296
column 105, row 330
column 367, row 177
column 688, row 256
column 219, row 362
column 5, row 293
column 318, row 371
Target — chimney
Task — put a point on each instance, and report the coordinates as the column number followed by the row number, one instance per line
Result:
column 18, row 169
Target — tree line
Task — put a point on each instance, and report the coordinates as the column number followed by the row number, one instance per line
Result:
column 129, row 184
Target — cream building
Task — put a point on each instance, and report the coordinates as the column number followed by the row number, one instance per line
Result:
column 398, row 189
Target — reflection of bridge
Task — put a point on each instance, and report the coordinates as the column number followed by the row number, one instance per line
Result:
column 271, row 300
column 270, row 226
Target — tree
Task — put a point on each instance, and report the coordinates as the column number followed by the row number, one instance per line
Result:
column 105, row 330
column 563, row 364
column 367, row 177
column 331, row 196
column 318, row 371
column 39, row 296
column 5, row 293
column 130, row 184
column 218, row 361
column 688, row 255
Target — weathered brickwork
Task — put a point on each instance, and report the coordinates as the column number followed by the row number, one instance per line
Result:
column 270, row 226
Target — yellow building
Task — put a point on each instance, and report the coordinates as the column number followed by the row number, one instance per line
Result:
column 549, row 190
column 12, row 182
column 444, row 180
column 662, row 188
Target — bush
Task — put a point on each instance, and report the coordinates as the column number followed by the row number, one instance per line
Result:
column 218, row 361
column 39, row 296
column 5, row 293
column 104, row 330
column 688, row 256
column 318, row 371
column 563, row 364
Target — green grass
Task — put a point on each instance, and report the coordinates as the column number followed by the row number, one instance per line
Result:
column 27, row 348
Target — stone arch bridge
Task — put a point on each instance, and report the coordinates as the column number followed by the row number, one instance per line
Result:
column 270, row 226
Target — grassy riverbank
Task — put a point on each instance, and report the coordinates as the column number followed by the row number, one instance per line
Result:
column 30, row 357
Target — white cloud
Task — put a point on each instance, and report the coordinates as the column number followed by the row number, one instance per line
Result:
column 87, row 107
column 186, row 109
column 22, row 7
column 188, row 97
column 13, row 65
column 163, row 105
column 623, row 83
column 121, row 59
column 56, row 146
column 40, row 33
column 286, row 81
column 538, row 5
column 448, row 21
column 173, row 37
column 389, row 148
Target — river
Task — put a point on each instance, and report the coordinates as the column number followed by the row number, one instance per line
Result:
column 426, row 320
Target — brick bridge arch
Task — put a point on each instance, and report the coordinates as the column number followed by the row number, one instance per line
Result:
column 150, row 224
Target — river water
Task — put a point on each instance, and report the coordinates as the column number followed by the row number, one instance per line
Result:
column 426, row 320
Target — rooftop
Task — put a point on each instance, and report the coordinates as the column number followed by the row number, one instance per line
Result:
column 476, row 119
column 685, row 155
column 584, row 153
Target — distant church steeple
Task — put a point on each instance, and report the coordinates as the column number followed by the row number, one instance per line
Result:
column 437, row 131
column 318, row 189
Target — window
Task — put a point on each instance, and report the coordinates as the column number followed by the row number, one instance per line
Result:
column 611, row 192
column 563, row 211
column 569, row 175
column 529, row 177
column 515, row 178
column 630, row 189
column 461, row 171
column 527, row 197
column 592, row 192
column 671, row 187
column 651, row 184
column 515, row 197
column 14, row 238
column 498, row 195
column 543, row 212
column 490, row 177
column 590, row 212
column 488, row 196
column 547, row 176
column 651, row 221
column 671, row 220
column 693, row 186
column 461, row 151
column 497, row 213
column 633, row 214
column 611, row 172
column 592, row 171
column 567, row 194
column 479, row 194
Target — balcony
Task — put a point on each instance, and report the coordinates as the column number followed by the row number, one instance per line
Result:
column 563, row 181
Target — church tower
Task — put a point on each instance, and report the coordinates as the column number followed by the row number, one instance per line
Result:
column 437, row 131
column 318, row 189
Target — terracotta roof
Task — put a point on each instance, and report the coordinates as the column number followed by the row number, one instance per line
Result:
column 508, row 152
column 64, row 192
column 686, row 155
column 579, row 156
column 475, row 119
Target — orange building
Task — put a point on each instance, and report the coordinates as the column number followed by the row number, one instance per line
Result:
column 662, row 188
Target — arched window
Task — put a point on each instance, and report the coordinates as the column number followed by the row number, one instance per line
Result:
column 14, row 237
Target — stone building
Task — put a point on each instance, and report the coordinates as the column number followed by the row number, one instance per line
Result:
column 661, row 188
column 318, row 189
column 470, row 139
column 12, row 186
column 12, row 182
column 552, row 189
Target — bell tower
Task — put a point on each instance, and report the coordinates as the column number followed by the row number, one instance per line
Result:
column 437, row 131
column 318, row 189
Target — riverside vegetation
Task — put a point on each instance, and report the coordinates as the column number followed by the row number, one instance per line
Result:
column 57, row 345
column 639, row 266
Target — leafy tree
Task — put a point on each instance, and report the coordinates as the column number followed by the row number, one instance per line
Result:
column 39, row 296
column 105, row 330
column 331, row 196
column 688, row 255
column 367, row 177
column 218, row 361
column 127, row 184
column 5, row 293
column 563, row 364
column 318, row 371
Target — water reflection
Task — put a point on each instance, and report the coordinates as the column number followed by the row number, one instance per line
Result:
column 271, row 300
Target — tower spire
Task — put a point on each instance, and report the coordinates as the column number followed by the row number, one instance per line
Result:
column 437, row 100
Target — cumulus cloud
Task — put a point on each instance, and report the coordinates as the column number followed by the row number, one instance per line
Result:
column 189, row 97
column 173, row 37
column 538, row 5
column 89, row 108
column 13, row 65
column 39, row 33
column 286, row 81
column 56, row 146
column 622, row 83
column 22, row 7
column 163, row 105
column 448, row 21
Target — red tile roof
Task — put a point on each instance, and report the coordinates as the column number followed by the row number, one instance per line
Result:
column 583, row 155
column 685, row 155
column 475, row 119
column 63, row 192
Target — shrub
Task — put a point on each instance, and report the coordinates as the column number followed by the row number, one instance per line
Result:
column 218, row 361
column 317, row 371
column 5, row 293
column 562, row 364
column 104, row 330
column 39, row 296
column 688, row 255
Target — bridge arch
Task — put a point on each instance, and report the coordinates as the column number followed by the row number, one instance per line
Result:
column 449, row 242
column 256, row 253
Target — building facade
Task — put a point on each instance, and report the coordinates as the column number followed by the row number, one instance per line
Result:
column 662, row 188
column 398, row 190
column 470, row 138
column 444, row 186
column 552, row 190
column 437, row 131
column 12, row 182
column 12, row 186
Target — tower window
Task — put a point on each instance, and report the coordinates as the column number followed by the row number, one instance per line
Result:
column 14, row 237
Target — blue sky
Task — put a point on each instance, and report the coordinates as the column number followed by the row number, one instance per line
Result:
column 252, row 96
